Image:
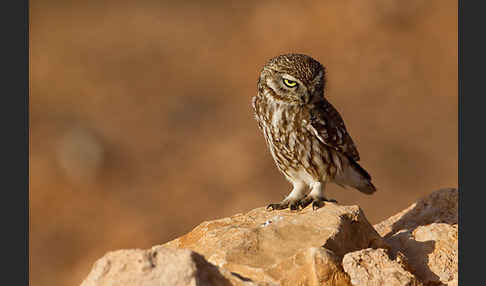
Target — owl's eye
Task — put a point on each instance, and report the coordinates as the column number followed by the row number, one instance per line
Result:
column 289, row 83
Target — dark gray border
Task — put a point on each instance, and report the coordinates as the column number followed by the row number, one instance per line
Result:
column 14, row 209
column 471, row 81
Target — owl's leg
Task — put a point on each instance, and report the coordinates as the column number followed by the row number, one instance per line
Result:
column 316, row 196
column 293, row 199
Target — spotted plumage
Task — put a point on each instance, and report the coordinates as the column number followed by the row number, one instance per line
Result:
column 304, row 132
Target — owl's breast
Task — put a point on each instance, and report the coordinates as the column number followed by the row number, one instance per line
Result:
column 294, row 148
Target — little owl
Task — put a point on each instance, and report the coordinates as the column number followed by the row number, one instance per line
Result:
column 304, row 132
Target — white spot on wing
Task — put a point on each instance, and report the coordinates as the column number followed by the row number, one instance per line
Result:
column 314, row 131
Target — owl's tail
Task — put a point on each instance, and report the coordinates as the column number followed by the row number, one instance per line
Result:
column 355, row 176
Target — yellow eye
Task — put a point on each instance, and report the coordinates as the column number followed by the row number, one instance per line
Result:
column 289, row 83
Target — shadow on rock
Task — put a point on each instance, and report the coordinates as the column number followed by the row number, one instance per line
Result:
column 426, row 233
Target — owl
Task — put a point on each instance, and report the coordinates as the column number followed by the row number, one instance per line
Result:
column 305, row 133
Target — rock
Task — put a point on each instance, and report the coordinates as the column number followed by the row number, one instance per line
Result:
column 432, row 251
column 440, row 206
column 373, row 267
column 334, row 245
column 313, row 266
column 158, row 266
column 426, row 233
column 270, row 246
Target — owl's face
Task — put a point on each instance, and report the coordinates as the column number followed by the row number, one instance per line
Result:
column 292, row 78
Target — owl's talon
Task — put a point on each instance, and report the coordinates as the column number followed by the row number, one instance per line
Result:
column 277, row 206
column 316, row 202
column 295, row 206
column 305, row 202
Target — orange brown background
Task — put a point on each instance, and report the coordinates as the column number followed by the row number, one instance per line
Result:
column 141, row 126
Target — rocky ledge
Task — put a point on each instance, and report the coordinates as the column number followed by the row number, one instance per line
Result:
column 334, row 245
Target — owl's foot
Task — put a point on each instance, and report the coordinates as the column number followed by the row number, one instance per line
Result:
column 293, row 205
column 317, row 202
column 278, row 206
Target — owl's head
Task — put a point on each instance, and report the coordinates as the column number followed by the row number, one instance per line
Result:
column 292, row 78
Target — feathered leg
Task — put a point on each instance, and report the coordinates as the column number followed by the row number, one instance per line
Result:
column 316, row 196
column 292, row 200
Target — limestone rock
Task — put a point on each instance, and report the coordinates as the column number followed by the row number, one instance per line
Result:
column 158, row 266
column 270, row 246
column 334, row 245
column 427, row 234
column 432, row 251
column 373, row 267
column 314, row 266
column 438, row 207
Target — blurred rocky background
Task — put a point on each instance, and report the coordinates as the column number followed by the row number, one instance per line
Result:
column 141, row 125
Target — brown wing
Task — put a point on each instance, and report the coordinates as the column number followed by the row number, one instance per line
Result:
column 329, row 127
